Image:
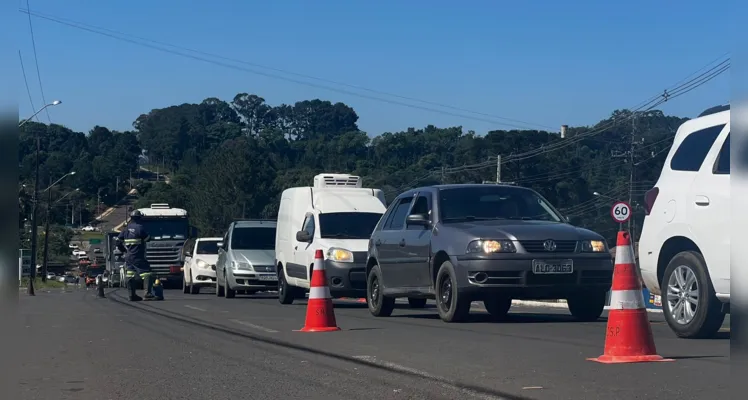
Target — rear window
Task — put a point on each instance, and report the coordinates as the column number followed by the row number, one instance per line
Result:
column 693, row 150
column 207, row 247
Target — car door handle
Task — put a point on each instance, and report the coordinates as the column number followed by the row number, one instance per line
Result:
column 378, row 243
column 402, row 243
column 702, row 200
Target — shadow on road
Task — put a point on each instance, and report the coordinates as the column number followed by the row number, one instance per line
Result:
column 512, row 318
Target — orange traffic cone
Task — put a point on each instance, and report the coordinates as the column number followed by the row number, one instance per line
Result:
column 320, row 316
column 628, row 337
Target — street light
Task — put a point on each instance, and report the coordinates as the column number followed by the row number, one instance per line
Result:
column 54, row 103
column 603, row 196
column 46, row 224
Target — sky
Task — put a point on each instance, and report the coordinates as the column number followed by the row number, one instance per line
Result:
column 545, row 63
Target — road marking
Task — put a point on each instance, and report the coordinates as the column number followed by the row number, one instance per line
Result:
column 195, row 308
column 253, row 326
column 443, row 382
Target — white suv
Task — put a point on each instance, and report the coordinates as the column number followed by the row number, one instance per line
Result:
column 684, row 249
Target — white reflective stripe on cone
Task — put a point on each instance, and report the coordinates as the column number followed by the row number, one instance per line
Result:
column 624, row 255
column 318, row 265
column 626, row 300
column 319, row 293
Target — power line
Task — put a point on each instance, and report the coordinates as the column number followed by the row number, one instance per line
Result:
column 26, row 82
column 36, row 61
column 211, row 58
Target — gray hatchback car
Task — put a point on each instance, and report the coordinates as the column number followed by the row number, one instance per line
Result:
column 246, row 259
column 492, row 243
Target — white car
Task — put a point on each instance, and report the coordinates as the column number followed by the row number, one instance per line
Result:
column 684, row 248
column 73, row 246
column 88, row 228
column 79, row 253
column 199, row 267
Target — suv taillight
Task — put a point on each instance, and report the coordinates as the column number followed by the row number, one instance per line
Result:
column 649, row 199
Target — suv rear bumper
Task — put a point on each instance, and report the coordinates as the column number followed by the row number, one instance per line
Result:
column 515, row 277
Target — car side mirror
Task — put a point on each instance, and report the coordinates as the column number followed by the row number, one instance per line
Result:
column 188, row 253
column 418, row 219
column 303, row 236
column 187, row 259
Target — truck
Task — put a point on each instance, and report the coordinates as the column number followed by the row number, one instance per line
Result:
column 169, row 229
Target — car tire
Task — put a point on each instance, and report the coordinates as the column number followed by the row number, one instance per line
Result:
column 285, row 291
column 379, row 304
column 498, row 306
column 228, row 291
column 708, row 316
column 450, row 303
column 587, row 306
column 219, row 289
column 416, row 302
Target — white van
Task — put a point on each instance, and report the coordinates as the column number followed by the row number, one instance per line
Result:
column 684, row 248
column 336, row 215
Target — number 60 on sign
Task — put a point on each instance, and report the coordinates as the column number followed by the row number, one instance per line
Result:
column 621, row 212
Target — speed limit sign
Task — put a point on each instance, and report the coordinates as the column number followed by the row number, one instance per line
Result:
column 621, row 212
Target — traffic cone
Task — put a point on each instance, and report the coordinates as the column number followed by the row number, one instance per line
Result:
column 628, row 337
column 320, row 316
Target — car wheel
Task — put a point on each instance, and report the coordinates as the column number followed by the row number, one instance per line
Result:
column 185, row 285
column 379, row 304
column 451, row 305
column 194, row 289
column 285, row 292
column 416, row 303
column 689, row 305
column 230, row 293
column 219, row 288
column 498, row 306
column 587, row 306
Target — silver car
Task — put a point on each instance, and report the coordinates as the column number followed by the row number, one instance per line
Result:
column 246, row 259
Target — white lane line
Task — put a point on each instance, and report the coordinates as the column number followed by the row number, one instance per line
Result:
column 253, row 326
column 195, row 308
column 443, row 382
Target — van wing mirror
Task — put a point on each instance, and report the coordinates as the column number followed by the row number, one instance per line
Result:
column 417, row 219
column 303, row 236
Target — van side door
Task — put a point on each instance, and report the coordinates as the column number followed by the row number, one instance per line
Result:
column 302, row 256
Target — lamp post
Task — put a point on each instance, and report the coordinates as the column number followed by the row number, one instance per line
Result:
column 54, row 103
column 34, row 201
column 46, row 224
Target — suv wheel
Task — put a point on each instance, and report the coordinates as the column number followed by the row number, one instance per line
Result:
column 285, row 292
column 498, row 306
column 379, row 304
column 416, row 303
column 587, row 306
column 689, row 304
column 452, row 306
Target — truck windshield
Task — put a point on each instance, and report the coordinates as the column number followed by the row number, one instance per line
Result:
column 253, row 238
column 494, row 203
column 207, row 247
column 166, row 229
column 348, row 225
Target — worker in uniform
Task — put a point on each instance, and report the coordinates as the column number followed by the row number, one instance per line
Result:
column 132, row 243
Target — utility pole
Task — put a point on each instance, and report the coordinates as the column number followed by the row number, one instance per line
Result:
column 498, row 168
column 631, row 176
column 34, row 222
column 442, row 179
column 116, row 188
column 46, row 232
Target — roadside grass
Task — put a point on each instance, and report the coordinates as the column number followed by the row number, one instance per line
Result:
column 38, row 284
column 87, row 236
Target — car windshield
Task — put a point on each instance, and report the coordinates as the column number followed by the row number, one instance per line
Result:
column 494, row 203
column 207, row 247
column 348, row 225
column 166, row 229
column 95, row 271
column 253, row 238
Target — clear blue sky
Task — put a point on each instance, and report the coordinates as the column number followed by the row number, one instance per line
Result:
column 548, row 62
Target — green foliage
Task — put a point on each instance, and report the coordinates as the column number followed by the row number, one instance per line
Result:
column 233, row 159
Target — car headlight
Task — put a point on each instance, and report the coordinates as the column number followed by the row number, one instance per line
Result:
column 242, row 266
column 201, row 264
column 491, row 246
column 593, row 246
column 339, row 255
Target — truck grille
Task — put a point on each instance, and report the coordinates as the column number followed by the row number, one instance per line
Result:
column 163, row 258
column 536, row 246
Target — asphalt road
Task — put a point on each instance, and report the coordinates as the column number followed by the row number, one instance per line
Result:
column 249, row 346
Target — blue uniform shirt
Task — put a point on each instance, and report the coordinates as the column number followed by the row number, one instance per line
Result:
column 134, row 238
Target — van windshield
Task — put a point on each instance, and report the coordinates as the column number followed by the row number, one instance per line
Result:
column 347, row 225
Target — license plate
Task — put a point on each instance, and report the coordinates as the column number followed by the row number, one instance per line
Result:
column 267, row 277
column 552, row 267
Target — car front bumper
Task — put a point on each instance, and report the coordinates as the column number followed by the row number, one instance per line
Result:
column 514, row 275
column 347, row 279
column 251, row 280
